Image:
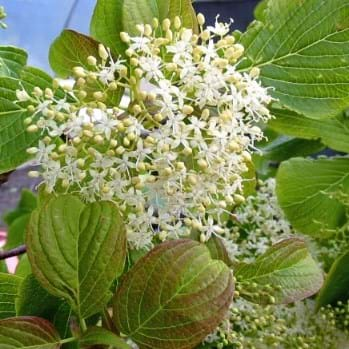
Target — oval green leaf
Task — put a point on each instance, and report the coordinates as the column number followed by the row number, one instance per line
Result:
column 111, row 17
column 28, row 332
column 332, row 132
column 77, row 250
column 12, row 61
column 285, row 273
column 336, row 287
column 9, row 285
column 312, row 194
column 70, row 50
column 302, row 49
column 173, row 297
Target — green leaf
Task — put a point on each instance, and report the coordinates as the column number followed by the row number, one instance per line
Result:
column 111, row 17
column 137, row 12
column 9, row 285
column 33, row 300
column 218, row 250
column 106, row 25
column 280, row 149
column 77, row 250
column 28, row 333
column 302, row 49
column 332, row 132
column 70, row 50
column 260, row 9
column 12, row 61
column 23, row 268
column 285, row 273
column 312, row 193
column 336, row 287
column 14, row 139
column 18, row 219
column 173, row 297
column 33, row 77
column 98, row 335
column 16, row 232
column 183, row 9
column 27, row 203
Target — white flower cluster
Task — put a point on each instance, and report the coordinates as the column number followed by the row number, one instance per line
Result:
column 174, row 157
column 261, row 223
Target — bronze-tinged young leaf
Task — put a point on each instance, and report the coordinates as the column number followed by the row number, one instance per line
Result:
column 313, row 193
column 77, row 250
column 28, row 333
column 70, row 50
column 302, row 49
column 9, row 285
column 285, row 273
column 173, row 297
column 218, row 250
column 336, row 287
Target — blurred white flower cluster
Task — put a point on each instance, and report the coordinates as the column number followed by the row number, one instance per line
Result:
column 174, row 156
column 261, row 223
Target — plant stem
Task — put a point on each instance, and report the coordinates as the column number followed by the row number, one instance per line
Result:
column 67, row 340
column 108, row 322
column 14, row 252
column 83, row 325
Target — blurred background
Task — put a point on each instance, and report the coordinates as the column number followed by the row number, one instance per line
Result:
column 34, row 24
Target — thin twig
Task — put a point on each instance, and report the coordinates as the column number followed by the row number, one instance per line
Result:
column 13, row 253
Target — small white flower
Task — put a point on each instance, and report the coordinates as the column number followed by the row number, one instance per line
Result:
column 220, row 29
column 22, row 95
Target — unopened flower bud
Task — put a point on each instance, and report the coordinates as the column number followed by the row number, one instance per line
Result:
column 91, row 60
column 125, row 37
column 98, row 139
column 155, row 23
column 201, row 19
column 188, row 109
column 239, row 199
column 103, row 53
column 79, row 72
column 177, row 23
column 148, row 30
column 166, row 24
column 32, row 150
column 255, row 72
column 202, row 163
column 99, row 96
column 205, row 35
column 37, row 91
column 32, row 128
